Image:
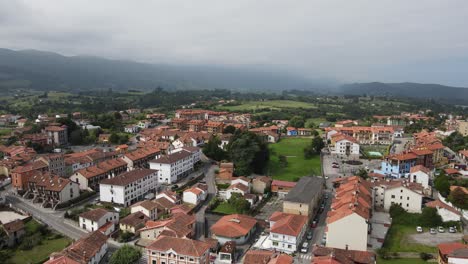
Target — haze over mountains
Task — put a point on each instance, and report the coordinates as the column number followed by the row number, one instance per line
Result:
column 41, row 70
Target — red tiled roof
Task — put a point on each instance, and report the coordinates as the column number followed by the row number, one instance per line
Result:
column 235, row 225
column 417, row 168
column 287, row 224
column 451, row 171
column 136, row 219
column 283, row 183
column 95, row 214
column 440, row 204
column 448, row 248
column 181, row 246
column 128, row 177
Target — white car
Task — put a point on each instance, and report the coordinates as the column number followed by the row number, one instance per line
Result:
column 433, row 231
column 452, row 230
column 441, row 229
column 305, row 247
column 419, row 229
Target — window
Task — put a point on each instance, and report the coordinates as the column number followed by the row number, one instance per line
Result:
column 407, row 198
column 393, row 196
column 275, row 243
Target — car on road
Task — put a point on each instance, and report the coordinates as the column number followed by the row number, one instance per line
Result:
column 305, row 247
column 324, row 239
column 433, row 231
column 326, row 177
column 309, row 235
column 326, row 196
column 441, row 229
column 452, row 229
column 419, row 229
column 335, row 166
column 335, row 163
column 314, row 224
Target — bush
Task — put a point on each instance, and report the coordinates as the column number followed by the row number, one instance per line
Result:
column 425, row 256
column 125, row 254
column 125, row 236
column 383, row 253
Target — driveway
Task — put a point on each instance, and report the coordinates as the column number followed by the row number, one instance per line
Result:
column 433, row 240
column 275, row 204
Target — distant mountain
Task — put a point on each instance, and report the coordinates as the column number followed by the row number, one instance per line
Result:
column 412, row 90
column 50, row 71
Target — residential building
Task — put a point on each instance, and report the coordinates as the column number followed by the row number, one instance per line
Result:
column 462, row 127
column 133, row 222
column 140, row 157
column 147, row 207
column 348, row 220
column 13, row 232
column 88, row 250
column 175, row 166
column 227, row 253
column 267, row 257
column 20, row 175
column 345, row 123
column 196, row 125
column 367, row 135
column 56, row 164
column 132, row 129
column 463, row 155
column 291, row 131
column 344, row 145
column 452, row 253
column 400, row 191
column 304, row 197
column 94, row 219
column 420, row 174
column 90, row 177
column 282, row 188
column 129, row 187
column 225, row 174
column 238, row 228
column 195, row 194
column 287, row 231
column 178, row 225
column 57, row 135
column 447, row 212
column 179, row 123
column 214, row 127
column 178, row 250
column 398, row 165
column 52, row 190
column 261, row 184
column 328, row 255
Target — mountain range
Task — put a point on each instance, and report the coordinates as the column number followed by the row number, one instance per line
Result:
column 45, row 71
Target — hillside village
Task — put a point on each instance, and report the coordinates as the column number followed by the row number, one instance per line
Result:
column 199, row 186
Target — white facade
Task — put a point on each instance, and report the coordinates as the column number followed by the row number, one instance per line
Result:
column 345, row 147
column 448, row 215
column 92, row 226
column 419, row 177
column 348, row 232
column 131, row 129
column 175, row 166
column 69, row 192
column 409, row 200
column 152, row 214
column 194, row 196
column 129, row 193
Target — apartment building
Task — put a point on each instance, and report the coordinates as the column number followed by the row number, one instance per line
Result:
column 367, row 135
column 304, row 197
column 90, row 177
column 129, row 187
column 178, row 251
column 56, row 135
column 52, row 190
column 140, row 158
column 177, row 165
column 344, row 145
column 407, row 194
column 95, row 219
column 287, row 231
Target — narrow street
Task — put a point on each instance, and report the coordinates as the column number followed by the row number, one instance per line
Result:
column 200, row 215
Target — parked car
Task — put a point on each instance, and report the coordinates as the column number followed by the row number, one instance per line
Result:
column 305, row 247
column 326, row 196
column 452, row 229
column 441, row 229
column 335, row 166
column 419, row 229
column 314, row 224
column 324, row 239
column 433, row 231
column 309, row 235
column 326, row 177
column 335, row 163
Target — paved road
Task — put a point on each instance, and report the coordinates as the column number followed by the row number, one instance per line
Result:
column 200, row 215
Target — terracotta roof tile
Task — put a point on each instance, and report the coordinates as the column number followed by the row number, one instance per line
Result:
column 233, row 225
column 95, row 214
column 181, row 246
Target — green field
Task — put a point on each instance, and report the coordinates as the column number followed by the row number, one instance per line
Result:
column 397, row 240
column 225, row 208
column 402, row 261
column 273, row 104
column 298, row 166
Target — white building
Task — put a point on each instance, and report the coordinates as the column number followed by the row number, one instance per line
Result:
column 177, row 165
column 133, row 129
column 166, row 250
column 96, row 218
column 407, row 194
column 287, row 231
column 344, row 145
column 147, row 207
column 195, row 195
column 420, row 174
column 129, row 187
column 447, row 212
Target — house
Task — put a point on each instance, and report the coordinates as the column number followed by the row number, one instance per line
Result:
column 144, row 124
column 236, row 227
column 133, row 222
column 20, row 174
column 463, row 155
column 175, row 166
column 147, row 207
column 56, row 135
column 452, row 253
column 345, row 123
column 397, row 165
column 400, row 191
column 287, row 231
column 14, row 231
column 282, row 188
column 304, row 132
column 89, row 249
column 90, row 177
column 304, row 197
column 170, row 196
column 267, row 257
column 261, row 184
column 132, row 129
column 273, row 137
column 178, row 250
column 52, row 190
column 421, row 175
column 328, row 255
column 225, row 174
column 178, row 225
column 447, row 212
column 140, row 157
column 238, row 188
column 94, row 219
column 351, row 207
column 195, row 194
column 104, row 138
column 344, row 145
column 196, row 125
column 291, row 131
column 227, row 253
column 129, row 187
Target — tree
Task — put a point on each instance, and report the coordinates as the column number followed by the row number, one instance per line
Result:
column 239, row 202
column 297, row 121
column 229, row 130
column 248, row 153
column 114, row 138
column 442, row 184
column 459, row 198
column 283, row 161
column 429, row 217
column 212, row 149
column 310, row 124
column 396, row 211
column 314, row 148
column 125, row 254
column 362, row 173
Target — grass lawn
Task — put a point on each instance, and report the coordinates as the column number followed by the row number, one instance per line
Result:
column 298, row 166
column 401, row 261
column 225, row 208
column 273, row 104
column 397, row 240
column 39, row 252
column 5, row 131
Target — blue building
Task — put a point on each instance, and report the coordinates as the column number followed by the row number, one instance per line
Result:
column 291, row 131
column 398, row 165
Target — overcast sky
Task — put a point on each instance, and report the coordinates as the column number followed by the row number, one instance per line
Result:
column 348, row 40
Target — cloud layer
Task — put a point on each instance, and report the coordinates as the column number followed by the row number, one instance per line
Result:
column 361, row 40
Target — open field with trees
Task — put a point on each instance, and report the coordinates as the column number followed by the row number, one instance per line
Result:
column 273, row 104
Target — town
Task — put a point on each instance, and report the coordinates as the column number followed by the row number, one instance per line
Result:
column 236, row 181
